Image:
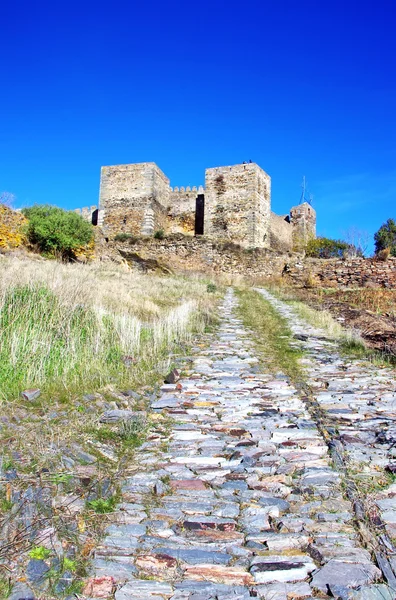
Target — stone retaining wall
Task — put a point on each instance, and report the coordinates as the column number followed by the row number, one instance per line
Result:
column 356, row 272
column 200, row 254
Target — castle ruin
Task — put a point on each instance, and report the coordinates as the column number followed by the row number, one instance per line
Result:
column 234, row 206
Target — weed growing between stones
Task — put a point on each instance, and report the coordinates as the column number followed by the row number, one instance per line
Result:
column 272, row 334
column 5, row 587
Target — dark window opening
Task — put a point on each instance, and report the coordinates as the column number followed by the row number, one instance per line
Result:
column 95, row 217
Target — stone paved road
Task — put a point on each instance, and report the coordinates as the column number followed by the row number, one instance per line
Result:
column 244, row 501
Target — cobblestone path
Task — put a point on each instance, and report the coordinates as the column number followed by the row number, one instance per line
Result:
column 245, row 501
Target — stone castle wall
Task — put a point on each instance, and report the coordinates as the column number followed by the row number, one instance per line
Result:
column 237, row 204
column 181, row 210
column 281, row 232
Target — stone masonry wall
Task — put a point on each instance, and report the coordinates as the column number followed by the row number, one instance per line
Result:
column 303, row 220
column 198, row 254
column 237, row 204
column 183, row 253
column 281, row 233
column 127, row 193
column 181, row 212
column 349, row 273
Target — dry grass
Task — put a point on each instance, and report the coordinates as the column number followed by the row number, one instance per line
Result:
column 68, row 327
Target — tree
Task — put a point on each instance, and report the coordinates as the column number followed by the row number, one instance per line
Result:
column 7, row 199
column 357, row 240
column 386, row 237
column 56, row 231
column 322, row 247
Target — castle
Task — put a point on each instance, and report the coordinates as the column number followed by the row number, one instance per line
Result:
column 234, row 206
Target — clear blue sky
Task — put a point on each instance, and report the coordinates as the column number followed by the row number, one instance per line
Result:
column 301, row 87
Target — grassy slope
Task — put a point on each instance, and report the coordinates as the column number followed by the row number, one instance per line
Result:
column 272, row 333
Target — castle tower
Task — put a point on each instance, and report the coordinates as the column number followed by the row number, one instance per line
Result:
column 303, row 221
column 238, row 204
column 133, row 199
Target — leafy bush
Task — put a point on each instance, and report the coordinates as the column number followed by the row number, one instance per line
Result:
column 160, row 234
column 386, row 237
column 211, row 288
column 322, row 247
column 56, row 231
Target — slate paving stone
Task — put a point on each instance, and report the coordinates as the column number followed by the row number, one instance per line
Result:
column 248, row 502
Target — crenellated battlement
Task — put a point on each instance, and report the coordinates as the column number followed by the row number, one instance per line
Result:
column 182, row 190
column 92, row 214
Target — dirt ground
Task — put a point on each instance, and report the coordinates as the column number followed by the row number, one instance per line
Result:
column 377, row 327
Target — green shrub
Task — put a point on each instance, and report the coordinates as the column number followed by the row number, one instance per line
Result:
column 211, row 288
column 386, row 237
column 160, row 234
column 56, row 231
column 322, row 247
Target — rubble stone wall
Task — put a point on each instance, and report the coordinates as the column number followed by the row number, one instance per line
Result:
column 199, row 254
column 348, row 273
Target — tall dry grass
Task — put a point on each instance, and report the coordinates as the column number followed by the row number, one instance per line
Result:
column 69, row 326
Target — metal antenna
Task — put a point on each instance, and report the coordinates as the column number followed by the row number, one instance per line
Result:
column 304, row 191
column 303, row 186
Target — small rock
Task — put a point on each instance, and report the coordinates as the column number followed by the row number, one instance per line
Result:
column 99, row 587
column 113, row 416
column 157, row 564
column 172, row 377
column 20, row 591
column 36, row 571
column 31, row 394
column 338, row 573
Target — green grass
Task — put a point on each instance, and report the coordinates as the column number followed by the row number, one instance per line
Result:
column 65, row 348
column 272, row 334
column 44, row 341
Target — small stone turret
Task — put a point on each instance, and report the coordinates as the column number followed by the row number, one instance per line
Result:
column 303, row 221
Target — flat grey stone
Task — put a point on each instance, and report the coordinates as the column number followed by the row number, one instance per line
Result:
column 166, row 402
column 281, row 568
column 113, row 416
column 194, row 557
column 141, row 589
column 344, row 574
column 20, row 591
column 121, row 571
column 373, row 592
column 36, row 571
